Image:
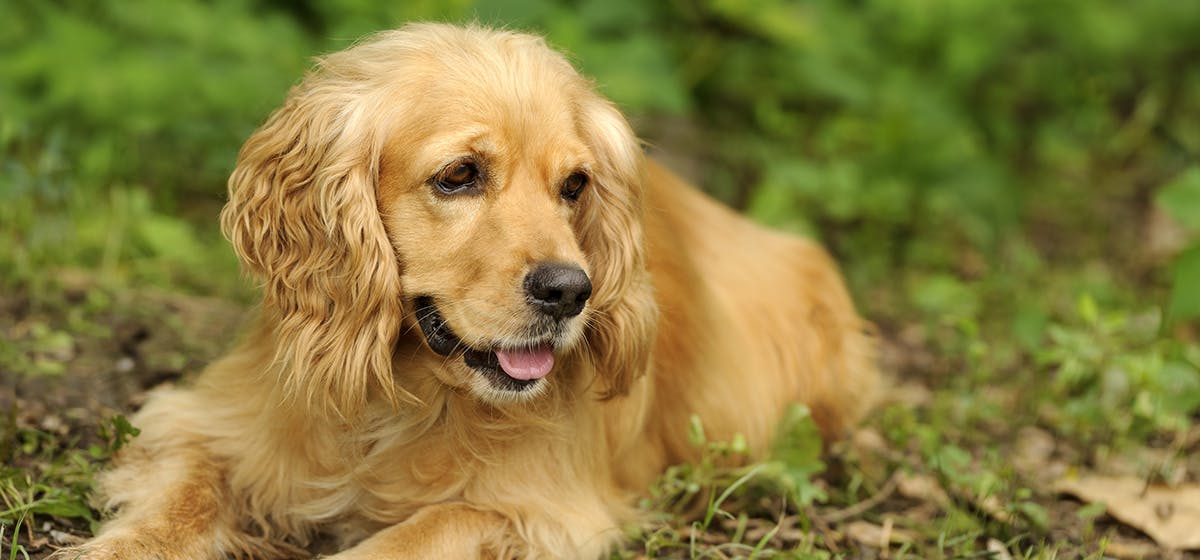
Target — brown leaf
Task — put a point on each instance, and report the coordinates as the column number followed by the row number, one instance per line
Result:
column 998, row 550
column 868, row 440
column 1033, row 450
column 1170, row 515
column 992, row 505
column 921, row 487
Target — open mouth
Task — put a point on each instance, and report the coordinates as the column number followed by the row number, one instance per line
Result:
column 512, row 369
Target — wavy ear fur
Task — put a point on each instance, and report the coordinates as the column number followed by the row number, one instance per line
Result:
column 612, row 236
column 302, row 216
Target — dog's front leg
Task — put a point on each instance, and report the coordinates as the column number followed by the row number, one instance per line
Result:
column 440, row 531
column 172, row 507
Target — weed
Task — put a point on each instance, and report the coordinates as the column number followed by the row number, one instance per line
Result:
column 48, row 476
column 1115, row 380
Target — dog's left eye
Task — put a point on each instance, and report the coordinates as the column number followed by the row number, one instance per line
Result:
column 457, row 177
column 573, row 186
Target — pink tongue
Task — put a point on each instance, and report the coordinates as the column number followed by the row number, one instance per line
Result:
column 533, row 363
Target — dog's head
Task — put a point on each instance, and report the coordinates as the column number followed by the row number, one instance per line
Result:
column 463, row 185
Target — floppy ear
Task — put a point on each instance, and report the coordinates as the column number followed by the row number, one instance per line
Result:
column 612, row 237
column 302, row 216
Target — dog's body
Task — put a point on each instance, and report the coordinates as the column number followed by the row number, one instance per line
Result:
column 343, row 413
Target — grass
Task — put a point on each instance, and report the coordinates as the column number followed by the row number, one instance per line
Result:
column 961, row 460
column 49, row 476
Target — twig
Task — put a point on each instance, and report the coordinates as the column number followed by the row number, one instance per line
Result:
column 885, row 538
column 843, row 514
column 825, row 531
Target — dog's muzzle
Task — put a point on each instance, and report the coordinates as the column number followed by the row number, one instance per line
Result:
column 513, row 370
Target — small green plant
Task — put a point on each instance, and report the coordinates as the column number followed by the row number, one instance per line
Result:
column 1115, row 379
column 696, row 495
column 677, row 489
column 46, row 475
column 116, row 433
column 795, row 458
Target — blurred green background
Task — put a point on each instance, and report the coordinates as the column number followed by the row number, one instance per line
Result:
column 988, row 167
column 932, row 144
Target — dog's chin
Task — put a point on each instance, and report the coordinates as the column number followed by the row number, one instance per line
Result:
column 521, row 377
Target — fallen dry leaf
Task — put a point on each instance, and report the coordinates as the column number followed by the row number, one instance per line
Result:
column 1033, row 450
column 1170, row 515
column 921, row 487
column 992, row 505
column 866, row 439
column 998, row 550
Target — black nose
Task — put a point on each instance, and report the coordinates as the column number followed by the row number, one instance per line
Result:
column 558, row 289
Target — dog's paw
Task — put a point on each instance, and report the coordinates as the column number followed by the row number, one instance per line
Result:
column 83, row 553
column 108, row 549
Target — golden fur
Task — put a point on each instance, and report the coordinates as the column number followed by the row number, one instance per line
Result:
column 333, row 416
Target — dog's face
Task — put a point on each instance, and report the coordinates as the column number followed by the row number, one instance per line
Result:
column 460, row 185
column 479, row 189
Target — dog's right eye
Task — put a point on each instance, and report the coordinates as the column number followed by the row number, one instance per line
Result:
column 457, row 177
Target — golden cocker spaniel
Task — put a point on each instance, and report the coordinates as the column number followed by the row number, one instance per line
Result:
column 486, row 321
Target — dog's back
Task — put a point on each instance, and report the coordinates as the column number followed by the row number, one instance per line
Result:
column 751, row 320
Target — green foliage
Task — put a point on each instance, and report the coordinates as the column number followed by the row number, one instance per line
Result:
column 909, row 136
column 983, row 494
column 41, row 474
column 158, row 93
column 49, row 220
column 117, row 432
column 729, row 485
column 1181, row 197
column 795, row 457
column 904, row 134
column 1185, row 282
column 1114, row 379
column 676, row 489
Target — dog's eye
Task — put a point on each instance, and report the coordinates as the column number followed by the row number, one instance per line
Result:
column 573, row 186
column 456, row 177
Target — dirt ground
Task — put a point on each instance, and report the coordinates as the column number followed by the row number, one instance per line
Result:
column 82, row 362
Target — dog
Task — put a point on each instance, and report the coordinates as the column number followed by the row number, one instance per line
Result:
column 487, row 319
